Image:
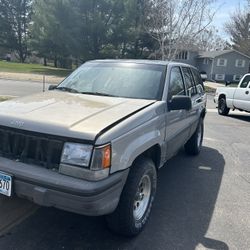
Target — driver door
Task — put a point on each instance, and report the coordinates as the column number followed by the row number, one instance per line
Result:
column 177, row 125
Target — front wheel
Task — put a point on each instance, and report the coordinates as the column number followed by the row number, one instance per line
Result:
column 222, row 107
column 194, row 144
column 136, row 199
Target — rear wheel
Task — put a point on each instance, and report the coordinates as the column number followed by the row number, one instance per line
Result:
column 194, row 144
column 222, row 106
column 136, row 199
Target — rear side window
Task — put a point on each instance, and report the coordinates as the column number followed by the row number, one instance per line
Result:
column 189, row 81
column 198, row 81
column 176, row 84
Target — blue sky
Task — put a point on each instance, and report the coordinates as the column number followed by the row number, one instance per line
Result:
column 225, row 8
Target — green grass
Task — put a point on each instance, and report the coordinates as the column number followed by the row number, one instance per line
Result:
column 209, row 90
column 3, row 98
column 32, row 68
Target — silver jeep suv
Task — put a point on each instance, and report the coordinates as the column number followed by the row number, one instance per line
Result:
column 94, row 143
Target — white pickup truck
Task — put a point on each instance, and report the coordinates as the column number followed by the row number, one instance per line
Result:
column 234, row 98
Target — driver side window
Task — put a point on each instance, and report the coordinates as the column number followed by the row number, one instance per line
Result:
column 176, row 84
column 245, row 82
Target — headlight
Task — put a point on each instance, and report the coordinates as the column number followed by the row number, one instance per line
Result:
column 76, row 154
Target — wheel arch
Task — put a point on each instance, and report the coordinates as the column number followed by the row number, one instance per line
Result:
column 222, row 95
column 203, row 113
column 154, row 153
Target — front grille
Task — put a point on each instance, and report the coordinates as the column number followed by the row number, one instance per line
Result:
column 31, row 148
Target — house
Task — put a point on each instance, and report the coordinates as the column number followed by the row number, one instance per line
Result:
column 220, row 66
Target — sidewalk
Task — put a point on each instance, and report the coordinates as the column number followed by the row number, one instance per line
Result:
column 213, row 85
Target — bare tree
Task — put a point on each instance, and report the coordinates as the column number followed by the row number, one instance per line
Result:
column 176, row 24
column 238, row 27
column 210, row 39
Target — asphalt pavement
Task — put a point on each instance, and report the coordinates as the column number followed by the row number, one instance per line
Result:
column 202, row 202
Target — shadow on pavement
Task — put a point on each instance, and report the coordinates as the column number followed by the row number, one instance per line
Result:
column 245, row 118
column 184, row 205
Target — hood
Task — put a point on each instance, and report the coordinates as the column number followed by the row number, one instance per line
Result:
column 67, row 114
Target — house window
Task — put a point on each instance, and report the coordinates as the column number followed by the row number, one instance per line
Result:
column 240, row 63
column 222, row 62
column 237, row 78
column 205, row 61
column 183, row 55
column 219, row 77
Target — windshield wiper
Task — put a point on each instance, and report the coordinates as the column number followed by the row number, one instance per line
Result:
column 97, row 93
column 68, row 89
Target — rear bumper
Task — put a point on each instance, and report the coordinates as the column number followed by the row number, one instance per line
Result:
column 49, row 188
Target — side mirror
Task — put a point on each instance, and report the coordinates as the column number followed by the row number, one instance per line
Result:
column 180, row 102
column 51, row 87
column 203, row 75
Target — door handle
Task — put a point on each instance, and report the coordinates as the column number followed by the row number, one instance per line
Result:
column 198, row 100
column 247, row 92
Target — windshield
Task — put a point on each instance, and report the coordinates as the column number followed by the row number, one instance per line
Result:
column 129, row 80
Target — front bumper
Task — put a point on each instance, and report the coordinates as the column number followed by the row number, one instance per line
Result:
column 48, row 188
column 216, row 99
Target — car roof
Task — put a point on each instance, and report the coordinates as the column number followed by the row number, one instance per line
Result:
column 141, row 61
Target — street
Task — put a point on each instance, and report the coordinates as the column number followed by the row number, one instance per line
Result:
column 20, row 88
column 202, row 202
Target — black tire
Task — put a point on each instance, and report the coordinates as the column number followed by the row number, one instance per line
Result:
column 194, row 144
column 222, row 107
column 123, row 220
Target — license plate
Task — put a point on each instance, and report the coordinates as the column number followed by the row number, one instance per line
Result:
column 5, row 184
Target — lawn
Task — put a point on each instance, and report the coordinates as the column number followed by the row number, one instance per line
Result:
column 3, row 98
column 209, row 90
column 32, row 68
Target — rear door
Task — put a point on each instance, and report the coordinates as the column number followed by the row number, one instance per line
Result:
column 241, row 98
column 194, row 113
column 177, row 128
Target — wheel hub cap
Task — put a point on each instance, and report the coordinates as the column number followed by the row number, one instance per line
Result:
column 142, row 197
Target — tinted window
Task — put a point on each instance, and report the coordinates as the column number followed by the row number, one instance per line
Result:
column 245, row 82
column 198, row 81
column 191, row 90
column 130, row 80
column 176, row 85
